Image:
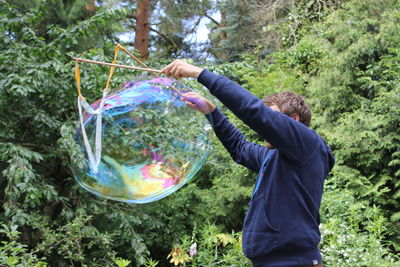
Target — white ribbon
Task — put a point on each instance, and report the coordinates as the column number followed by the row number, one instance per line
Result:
column 94, row 160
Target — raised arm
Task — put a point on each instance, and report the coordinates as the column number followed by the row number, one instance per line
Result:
column 243, row 152
column 293, row 139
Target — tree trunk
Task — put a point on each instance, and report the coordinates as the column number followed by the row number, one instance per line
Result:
column 90, row 6
column 142, row 28
column 223, row 36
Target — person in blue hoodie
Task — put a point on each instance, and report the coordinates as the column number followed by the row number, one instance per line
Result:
column 281, row 226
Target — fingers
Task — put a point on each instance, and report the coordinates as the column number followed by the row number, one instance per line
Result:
column 191, row 94
column 181, row 69
column 197, row 102
column 192, row 97
column 166, row 70
column 194, row 101
column 190, row 104
column 173, row 69
column 176, row 71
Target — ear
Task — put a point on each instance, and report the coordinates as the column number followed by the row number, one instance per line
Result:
column 295, row 116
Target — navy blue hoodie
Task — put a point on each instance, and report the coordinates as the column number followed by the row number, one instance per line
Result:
column 281, row 226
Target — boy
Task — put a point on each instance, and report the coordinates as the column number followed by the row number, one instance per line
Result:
column 281, row 227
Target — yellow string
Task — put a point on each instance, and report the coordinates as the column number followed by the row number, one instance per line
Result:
column 78, row 74
column 78, row 79
column 112, row 67
column 120, row 46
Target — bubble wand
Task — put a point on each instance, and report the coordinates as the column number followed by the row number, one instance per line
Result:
column 113, row 65
column 116, row 65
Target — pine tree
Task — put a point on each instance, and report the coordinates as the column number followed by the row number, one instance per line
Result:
column 142, row 28
column 168, row 25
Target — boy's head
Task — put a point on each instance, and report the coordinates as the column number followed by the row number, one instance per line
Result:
column 290, row 104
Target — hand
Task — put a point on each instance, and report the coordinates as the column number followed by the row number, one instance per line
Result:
column 197, row 102
column 181, row 69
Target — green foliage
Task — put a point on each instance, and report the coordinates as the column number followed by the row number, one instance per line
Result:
column 231, row 37
column 151, row 263
column 121, row 262
column 360, row 103
column 302, row 16
column 51, row 18
column 262, row 27
column 13, row 253
column 353, row 232
column 210, row 247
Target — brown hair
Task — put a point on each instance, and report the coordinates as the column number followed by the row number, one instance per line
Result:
column 290, row 103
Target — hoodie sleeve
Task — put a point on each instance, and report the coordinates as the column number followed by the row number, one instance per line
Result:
column 293, row 139
column 243, row 152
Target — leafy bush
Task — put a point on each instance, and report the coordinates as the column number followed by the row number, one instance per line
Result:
column 209, row 247
column 353, row 232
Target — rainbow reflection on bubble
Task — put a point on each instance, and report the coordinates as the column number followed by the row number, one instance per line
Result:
column 152, row 143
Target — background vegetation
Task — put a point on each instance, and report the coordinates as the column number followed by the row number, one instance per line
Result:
column 342, row 55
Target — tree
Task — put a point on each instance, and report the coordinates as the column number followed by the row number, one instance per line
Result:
column 175, row 21
column 261, row 27
column 280, row 23
column 142, row 28
column 230, row 36
column 167, row 26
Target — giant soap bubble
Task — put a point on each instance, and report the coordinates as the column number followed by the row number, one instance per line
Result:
column 151, row 142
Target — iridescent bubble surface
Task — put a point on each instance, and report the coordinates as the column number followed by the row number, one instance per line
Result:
column 152, row 143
